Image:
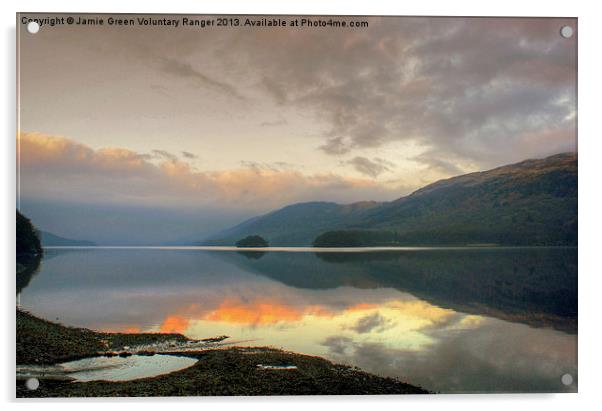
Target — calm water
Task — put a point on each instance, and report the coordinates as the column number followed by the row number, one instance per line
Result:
column 456, row 320
column 112, row 368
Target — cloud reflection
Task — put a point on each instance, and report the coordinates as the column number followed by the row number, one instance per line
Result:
column 383, row 330
column 495, row 356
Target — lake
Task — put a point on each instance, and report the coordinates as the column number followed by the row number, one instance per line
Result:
column 451, row 320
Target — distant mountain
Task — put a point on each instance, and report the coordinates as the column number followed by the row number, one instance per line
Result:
column 533, row 202
column 297, row 224
column 49, row 239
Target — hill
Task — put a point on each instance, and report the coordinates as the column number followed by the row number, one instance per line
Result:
column 296, row 224
column 252, row 241
column 49, row 239
column 533, row 202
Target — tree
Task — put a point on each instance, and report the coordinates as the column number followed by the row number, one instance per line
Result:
column 252, row 241
column 28, row 240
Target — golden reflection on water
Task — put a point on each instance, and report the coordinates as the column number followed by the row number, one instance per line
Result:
column 375, row 313
column 397, row 324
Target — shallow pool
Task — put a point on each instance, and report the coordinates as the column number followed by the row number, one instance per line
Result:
column 111, row 368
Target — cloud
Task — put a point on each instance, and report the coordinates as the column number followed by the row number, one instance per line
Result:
column 263, row 166
column 174, row 324
column 189, row 155
column 276, row 91
column 371, row 322
column 39, row 153
column 372, row 168
column 474, row 93
column 253, row 313
column 165, row 155
column 338, row 345
column 162, row 90
column 187, row 71
column 495, row 357
column 335, row 146
column 59, row 168
column 275, row 123
column 437, row 163
column 468, row 87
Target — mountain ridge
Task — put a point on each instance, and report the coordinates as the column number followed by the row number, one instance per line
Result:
column 532, row 202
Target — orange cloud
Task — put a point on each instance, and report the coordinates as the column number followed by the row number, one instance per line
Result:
column 124, row 329
column 131, row 330
column 266, row 312
column 174, row 324
column 254, row 313
column 62, row 168
column 37, row 150
column 269, row 311
column 361, row 307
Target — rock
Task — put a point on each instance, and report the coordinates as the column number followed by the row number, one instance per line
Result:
column 276, row 367
column 215, row 339
column 146, row 353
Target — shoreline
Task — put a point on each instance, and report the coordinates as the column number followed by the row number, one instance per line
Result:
column 219, row 371
column 303, row 249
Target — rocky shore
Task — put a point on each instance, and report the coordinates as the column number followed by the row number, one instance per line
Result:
column 219, row 371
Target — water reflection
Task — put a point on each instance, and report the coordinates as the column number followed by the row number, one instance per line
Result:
column 537, row 286
column 109, row 368
column 461, row 321
column 252, row 255
column 27, row 267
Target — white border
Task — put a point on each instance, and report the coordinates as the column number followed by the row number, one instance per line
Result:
column 590, row 112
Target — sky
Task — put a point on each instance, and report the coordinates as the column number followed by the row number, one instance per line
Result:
column 154, row 134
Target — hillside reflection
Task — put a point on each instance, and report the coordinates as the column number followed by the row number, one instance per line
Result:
column 536, row 286
column 452, row 322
